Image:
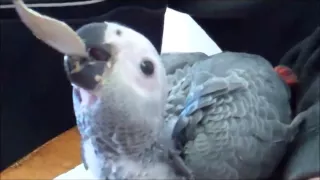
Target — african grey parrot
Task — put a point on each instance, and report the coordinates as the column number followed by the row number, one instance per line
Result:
column 113, row 69
column 228, row 114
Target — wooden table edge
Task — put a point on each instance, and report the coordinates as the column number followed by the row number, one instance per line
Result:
column 55, row 157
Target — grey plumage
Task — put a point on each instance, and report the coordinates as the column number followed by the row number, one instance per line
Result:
column 174, row 61
column 231, row 116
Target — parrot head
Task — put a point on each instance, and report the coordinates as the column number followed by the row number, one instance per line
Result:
column 112, row 68
column 121, row 75
column 119, row 93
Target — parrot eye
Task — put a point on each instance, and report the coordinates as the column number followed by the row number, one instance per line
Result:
column 99, row 54
column 147, row 67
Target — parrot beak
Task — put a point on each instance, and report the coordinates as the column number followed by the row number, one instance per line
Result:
column 85, row 76
column 84, row 73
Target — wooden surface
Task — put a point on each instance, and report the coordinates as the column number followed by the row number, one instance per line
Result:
column 50, row 160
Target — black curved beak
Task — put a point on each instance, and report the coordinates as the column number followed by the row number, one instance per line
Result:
column 83, row 72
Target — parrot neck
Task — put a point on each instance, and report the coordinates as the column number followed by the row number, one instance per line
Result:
column 121, row 127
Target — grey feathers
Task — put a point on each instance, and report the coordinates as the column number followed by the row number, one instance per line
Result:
column 175, row 61
column 231, row 115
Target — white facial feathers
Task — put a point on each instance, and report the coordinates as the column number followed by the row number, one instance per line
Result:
column 129, row 49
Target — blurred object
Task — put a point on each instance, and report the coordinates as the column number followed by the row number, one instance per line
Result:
column 304, row 59
column 77, row 173
column 182, row 34
column 303, row 160
column 287, row 75
column 316, row 178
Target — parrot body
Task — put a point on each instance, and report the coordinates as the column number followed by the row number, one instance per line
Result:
column 230, row 115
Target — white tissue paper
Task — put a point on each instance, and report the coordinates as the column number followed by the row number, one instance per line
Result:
column 181, row 34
